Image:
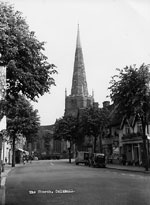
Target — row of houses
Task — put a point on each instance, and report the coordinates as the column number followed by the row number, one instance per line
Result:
column 124, row 138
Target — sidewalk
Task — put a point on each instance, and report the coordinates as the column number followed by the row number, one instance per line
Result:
column 127, row 168
column 7, row 169
column 4, row 174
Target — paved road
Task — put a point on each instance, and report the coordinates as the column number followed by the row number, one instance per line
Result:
column 58, row 182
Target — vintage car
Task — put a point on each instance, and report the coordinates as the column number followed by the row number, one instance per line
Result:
column 97, row 160
column 82, row 157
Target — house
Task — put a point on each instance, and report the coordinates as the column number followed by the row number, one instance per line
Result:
column 131, row 140
column 123, row 136
column 20, row 148
column 111, row 134
column 5, row 144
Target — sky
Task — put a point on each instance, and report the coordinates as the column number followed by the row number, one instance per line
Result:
column 113, row 33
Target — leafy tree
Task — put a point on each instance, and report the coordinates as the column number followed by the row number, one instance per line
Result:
column 21, row 54
column 130, row 93
column 66, row 128
column 2, row 82
column 92, row 122
column 21, row 119
column 28, row 71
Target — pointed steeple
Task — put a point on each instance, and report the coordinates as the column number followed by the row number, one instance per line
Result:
column 78, row 43
column 79, row 83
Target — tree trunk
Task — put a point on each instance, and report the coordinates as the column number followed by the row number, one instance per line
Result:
column 95, row 140
column 145, row 152
column 1, row 137
column 100, row 143
column 13, row 151
column 69, row 149
column 145, row 148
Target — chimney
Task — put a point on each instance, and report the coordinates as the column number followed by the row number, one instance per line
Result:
column 106, row 104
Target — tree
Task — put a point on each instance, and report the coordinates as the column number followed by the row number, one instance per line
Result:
column 28, row 71
column 92, row 121
column 130, row 93
column 21, row 54
column 2, row 97
column 66, row 128
column 21, row 119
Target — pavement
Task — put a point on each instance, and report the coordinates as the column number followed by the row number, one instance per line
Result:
column 7, row 169
column 4, row 174
column 128, row 168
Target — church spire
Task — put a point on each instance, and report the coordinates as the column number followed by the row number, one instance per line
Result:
column 79, row 84
column 78, row 43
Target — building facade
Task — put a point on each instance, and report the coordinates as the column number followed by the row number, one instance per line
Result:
column 124, row 139
column 45, row 146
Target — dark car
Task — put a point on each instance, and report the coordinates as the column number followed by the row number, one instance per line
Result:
column 97, row 160
column 82, row 158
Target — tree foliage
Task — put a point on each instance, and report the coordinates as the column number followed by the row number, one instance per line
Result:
column 22, row 119
column 66, row 128
column 28, row 71
column 92, row 122
column 130, row 92
column 92, row 119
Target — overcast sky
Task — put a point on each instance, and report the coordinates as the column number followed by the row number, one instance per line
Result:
column 114, row 33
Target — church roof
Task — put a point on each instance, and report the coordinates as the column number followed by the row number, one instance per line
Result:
column 79, row 83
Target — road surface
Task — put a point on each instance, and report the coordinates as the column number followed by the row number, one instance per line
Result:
column 58, row 182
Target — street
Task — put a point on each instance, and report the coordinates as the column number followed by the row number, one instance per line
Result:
column 58, row 182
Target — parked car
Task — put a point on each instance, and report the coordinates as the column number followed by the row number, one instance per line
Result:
column 36, row 158
column 82, row 157
column 97, row 160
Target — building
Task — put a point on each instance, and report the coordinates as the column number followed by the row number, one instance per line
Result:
column 79, row 97
column 124, row 138
column 20, row 148
column 5, row 146
column 46, row 147
column 131, row 140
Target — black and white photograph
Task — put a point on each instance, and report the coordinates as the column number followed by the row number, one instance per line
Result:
column 74, row 102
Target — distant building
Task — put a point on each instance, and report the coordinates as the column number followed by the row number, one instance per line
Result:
column 5, row 146
column 46, row 147
column 79, row 97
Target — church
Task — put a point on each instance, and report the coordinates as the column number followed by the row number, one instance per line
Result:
column 79, row 97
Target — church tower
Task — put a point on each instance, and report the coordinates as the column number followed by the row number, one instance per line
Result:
column 79, row 97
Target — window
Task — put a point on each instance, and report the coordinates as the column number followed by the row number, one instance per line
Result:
column 127, row 129
column 139, row 128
